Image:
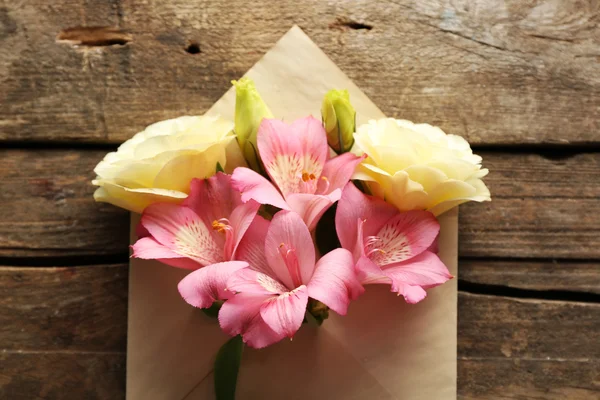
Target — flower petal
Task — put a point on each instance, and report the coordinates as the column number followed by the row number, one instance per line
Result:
column 337, row 172
column 240, row 220
column 310, row 207
column 293, row 155
column 203, row 287
column 180, row 229
column 240, row 315
column 213, row 198
column 253, row 282
column 334, row 282
column 259, row 335
column 424, row 271
column 253, row 186
column 149, row 249
column 354, row 206
column 252, row 246
column 285, row 313
column 289, row 249
column 179, row 171
column 404, row 236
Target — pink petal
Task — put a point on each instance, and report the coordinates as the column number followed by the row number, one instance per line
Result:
column 254, row 186
column 181, row 230
column 203, row 287
column 411, row 294
column 239, row 312
column 404, row 236
column 259, row 335
column 289, row 249
column 240, row 220
column 251, row 282
column 213, row 198
column 334, row 282
column 354, row 206
column 293, row 155
column 285, row 313
column 337, row 172
column 313, row 140
column 149, row 249
column 369, row 273
column 240, row 315
column 310, row 207
column 426, row 270
column 252, row 246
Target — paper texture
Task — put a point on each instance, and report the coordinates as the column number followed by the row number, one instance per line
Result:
column 383, row 349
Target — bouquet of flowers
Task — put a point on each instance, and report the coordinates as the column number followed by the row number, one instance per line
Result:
column 280, row 223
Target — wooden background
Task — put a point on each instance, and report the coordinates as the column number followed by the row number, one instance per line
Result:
column 519, row 79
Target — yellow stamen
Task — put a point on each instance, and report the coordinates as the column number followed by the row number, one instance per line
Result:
column 219, row 226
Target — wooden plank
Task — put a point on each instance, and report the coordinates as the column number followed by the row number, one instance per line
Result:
column 541, row 207
column 48, row 209
column 57, row 376
column 84, row 309
column 499, row 74
column 502, row 327
column 72, row 308
column 533, row 275
column 507, row 347
column 520, row 379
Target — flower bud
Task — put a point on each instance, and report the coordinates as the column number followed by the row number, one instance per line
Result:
column 250, row 109
column 339, row 120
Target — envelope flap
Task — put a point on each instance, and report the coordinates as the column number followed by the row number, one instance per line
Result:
column 292, row 79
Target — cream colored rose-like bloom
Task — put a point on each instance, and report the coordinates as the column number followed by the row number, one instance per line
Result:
column 418, row 166
column 158, row 164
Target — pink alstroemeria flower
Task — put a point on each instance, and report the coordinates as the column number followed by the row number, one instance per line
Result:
column 269, row 291
column 205, row 229
column 389, row 246
column 295, row 157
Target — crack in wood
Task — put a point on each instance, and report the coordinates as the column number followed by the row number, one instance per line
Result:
column 519, row 293
column 98, row 36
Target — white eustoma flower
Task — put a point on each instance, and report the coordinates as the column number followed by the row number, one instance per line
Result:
column 158, row 164
column 418, row 166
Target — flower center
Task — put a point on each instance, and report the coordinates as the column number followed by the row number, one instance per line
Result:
column 308, row 177
column 290, row 258
column 373, row 246
column 222, row 225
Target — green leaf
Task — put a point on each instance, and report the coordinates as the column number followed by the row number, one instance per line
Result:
column 213, row 311
column 219, row 168
column 227, row 366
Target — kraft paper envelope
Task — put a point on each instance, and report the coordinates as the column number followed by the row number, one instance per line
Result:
column 383, row 349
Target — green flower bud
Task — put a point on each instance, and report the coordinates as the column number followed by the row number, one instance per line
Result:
column 339, row 120
column 250, row 109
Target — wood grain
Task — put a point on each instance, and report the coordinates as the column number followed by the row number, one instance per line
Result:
column 71, row 308
column 553, row 275
column 542, row 207
column 526, row 346
column 62, row 375
column 101, row 376
column 494, row 72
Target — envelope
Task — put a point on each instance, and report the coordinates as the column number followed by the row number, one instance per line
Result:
column 383, row 349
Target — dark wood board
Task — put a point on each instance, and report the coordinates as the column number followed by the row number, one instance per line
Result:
column 540, row 208
column 494, row 72
column 81, row 315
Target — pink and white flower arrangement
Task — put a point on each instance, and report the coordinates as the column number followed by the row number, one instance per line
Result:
column 249, row 236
